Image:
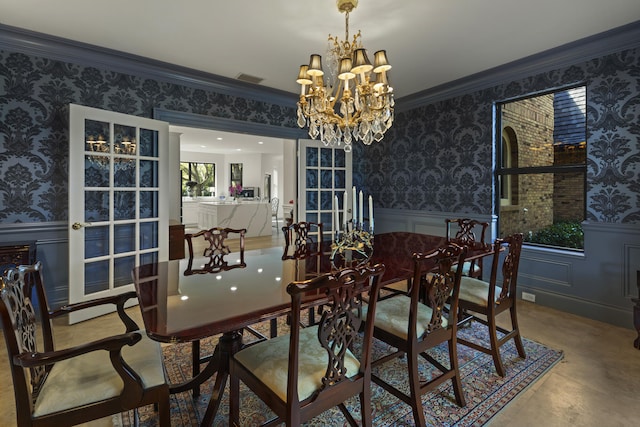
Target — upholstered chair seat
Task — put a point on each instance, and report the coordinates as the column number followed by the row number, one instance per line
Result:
column 391, row 316
column 469, row 269
column 269, row 361
column 90, row 378
column 476, row 291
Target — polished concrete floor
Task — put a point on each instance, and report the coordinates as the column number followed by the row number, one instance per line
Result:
column 596, row 384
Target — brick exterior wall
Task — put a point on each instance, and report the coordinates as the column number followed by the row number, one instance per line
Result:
column 532, row 121
column 569, row 187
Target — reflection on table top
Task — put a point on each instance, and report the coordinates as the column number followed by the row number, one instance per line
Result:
column 180, row 303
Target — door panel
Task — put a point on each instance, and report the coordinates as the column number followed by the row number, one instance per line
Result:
column 118, row 204
column 323, row 173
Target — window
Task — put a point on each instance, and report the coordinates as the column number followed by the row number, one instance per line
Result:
column 236, row 174
column 541, row 173
column 198, row 179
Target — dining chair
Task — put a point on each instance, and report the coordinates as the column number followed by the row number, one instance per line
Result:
column 302, row 374
column 412, row 326
column 483, row 301
column 68, row 386
column 275, row 203
column 468, row 232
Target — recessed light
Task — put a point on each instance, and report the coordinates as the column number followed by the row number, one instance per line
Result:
column 219, row 138
column 203, row 146
column 238, row 149
column 260, row 142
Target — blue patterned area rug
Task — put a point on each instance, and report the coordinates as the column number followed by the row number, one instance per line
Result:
column 486, row 393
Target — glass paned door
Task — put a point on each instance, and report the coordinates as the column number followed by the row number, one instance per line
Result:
column 118, row 204
column 324, row 175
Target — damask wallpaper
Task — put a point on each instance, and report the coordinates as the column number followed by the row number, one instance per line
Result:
column 437, row 157
column 34, row 93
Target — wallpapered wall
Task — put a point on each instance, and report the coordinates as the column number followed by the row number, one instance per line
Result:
column 435, row 158
column 438, row 157
column 34, row 93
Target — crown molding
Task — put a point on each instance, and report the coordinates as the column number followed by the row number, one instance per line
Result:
column 598, row 45
column 61, row 49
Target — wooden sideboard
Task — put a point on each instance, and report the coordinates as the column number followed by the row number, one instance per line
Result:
column 16, row 253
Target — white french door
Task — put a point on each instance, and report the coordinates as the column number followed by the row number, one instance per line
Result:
column 118, row 201
column 323, row 172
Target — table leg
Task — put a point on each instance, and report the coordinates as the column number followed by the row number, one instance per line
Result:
column 199, row 376
column 228, row 345
column 195, row 365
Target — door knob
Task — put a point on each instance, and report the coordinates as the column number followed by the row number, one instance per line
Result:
column 79, row 225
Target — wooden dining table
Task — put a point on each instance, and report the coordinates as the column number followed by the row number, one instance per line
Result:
column 192, row 299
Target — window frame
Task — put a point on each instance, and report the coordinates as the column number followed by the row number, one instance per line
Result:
column 504, row 175
column 190, row 173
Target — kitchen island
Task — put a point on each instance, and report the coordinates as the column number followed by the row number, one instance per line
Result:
column 255, row 216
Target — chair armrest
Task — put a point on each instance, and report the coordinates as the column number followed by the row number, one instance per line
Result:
column 118, row 300
column 132, row 390
column 111, row 344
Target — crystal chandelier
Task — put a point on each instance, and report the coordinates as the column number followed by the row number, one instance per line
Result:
column 364, row 98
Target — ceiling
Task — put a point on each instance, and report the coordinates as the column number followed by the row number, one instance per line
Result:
column 218, row 142
column 428, row 42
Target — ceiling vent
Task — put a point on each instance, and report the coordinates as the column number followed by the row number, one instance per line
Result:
column 249, row 79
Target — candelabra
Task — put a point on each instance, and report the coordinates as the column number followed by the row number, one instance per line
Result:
column 354, row 245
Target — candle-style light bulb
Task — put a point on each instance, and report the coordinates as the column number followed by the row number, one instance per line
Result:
column 360, row 212
column 370, row 213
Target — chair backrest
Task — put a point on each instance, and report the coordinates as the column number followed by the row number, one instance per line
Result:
column 338, row 328
column 274, row 206
column 303, row 238
column 215, row 240
column 469, row 232
column 509, row 249
column 20, row 327
column 435, row 284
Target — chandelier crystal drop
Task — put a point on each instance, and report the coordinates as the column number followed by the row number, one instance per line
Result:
column 354, row 101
